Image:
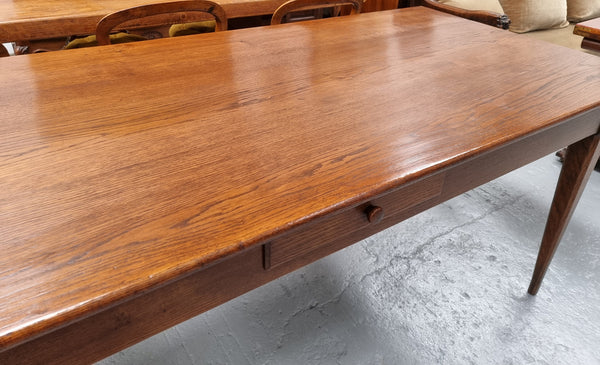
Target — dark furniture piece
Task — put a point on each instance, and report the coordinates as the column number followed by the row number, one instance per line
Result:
column 590, row 31
column 482, row 16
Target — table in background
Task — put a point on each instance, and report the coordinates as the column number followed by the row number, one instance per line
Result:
column 142, row 184
column 46, row 24
column 590, row 31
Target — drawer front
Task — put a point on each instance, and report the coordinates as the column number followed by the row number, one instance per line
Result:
column 308, row 238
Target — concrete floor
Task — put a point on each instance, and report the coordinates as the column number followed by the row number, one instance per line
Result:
column 445, row 287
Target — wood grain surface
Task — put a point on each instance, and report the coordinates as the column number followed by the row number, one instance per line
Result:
column 589, row 29
column 577, row 166
column 184, row 12
column 124, row 169
column 22, row 20
column 25, row 20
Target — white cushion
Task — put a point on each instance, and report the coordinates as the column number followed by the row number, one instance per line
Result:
column 528, row 15
column 580, row 10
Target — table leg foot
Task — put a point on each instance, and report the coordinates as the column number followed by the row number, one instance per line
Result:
column 577, row 167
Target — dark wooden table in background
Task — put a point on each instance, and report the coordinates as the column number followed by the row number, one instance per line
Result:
column 48, row 25
column 590, row 31
column 142, row 184
column 27, row 20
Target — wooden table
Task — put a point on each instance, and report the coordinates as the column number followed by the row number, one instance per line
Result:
column 137, row 190
column 590, row 31
column 27, row 20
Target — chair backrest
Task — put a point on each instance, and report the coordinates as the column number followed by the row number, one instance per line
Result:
column 301, row 5
column 173, row 12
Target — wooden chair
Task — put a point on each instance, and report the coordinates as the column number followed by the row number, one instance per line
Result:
column 482, row 16
column 281, row 14
column 160, row 14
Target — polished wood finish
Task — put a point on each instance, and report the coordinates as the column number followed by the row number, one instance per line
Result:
column 374, row 213
column 126, row 210
column 590, row 44
column 183, row 11
column 578, row 164
column 26, row 20
column 378, row 5
column 304, row 240
column 29, row 20
column 302, row 5
column 482, row 16
column 590, row 31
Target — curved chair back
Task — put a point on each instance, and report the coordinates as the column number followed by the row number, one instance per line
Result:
column 109, row 22
column 301, row 5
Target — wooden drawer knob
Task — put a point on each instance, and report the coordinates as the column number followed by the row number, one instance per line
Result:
column 374, row 214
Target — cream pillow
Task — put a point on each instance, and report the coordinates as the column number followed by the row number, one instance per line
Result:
column 528, row 15
column 580, row 10
column 489, row 5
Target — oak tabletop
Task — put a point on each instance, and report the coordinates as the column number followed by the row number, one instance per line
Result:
column 123, row 167
column 22, row 20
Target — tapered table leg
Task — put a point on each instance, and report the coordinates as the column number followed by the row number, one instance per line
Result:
column 577, row 167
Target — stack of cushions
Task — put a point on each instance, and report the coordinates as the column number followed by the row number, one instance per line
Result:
column 529, row 15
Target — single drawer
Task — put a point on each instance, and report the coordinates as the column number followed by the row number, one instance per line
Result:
column 307, row 238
